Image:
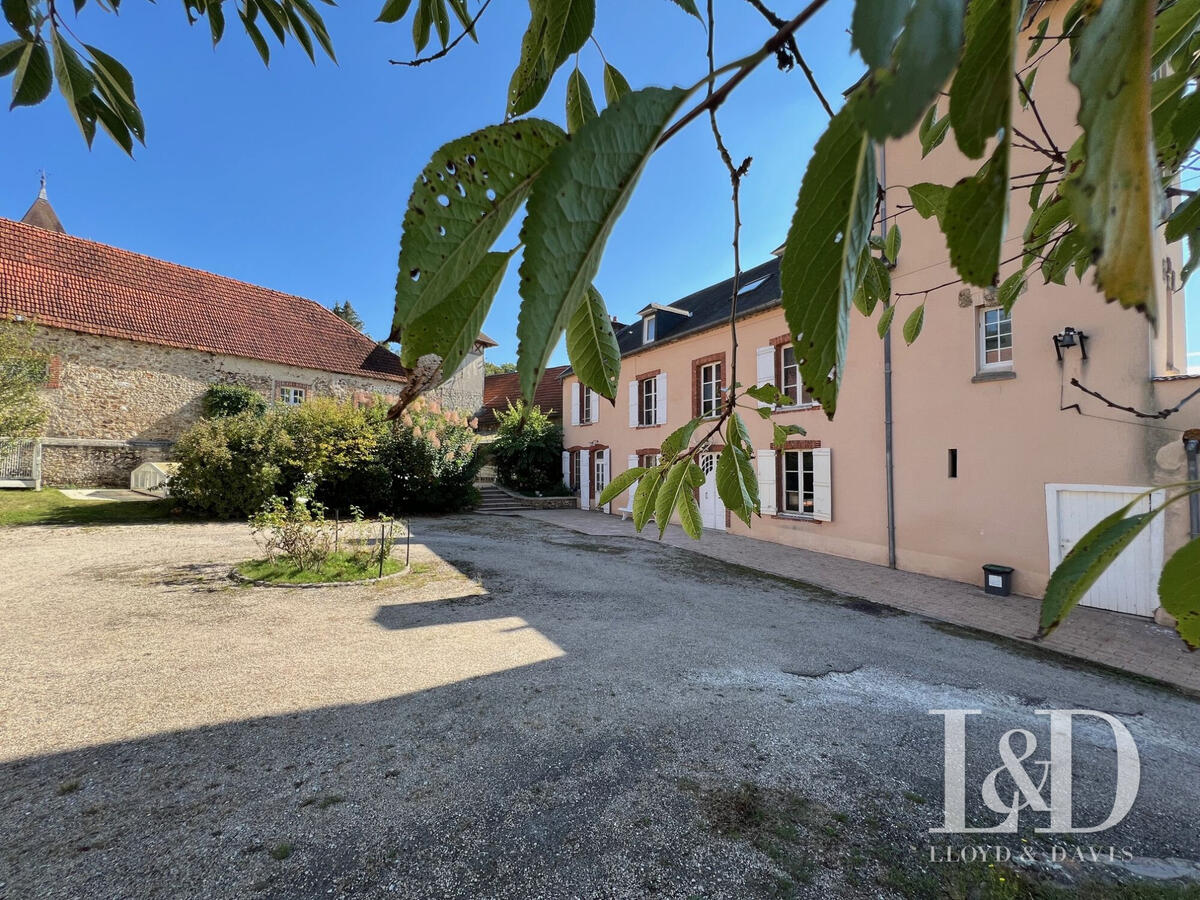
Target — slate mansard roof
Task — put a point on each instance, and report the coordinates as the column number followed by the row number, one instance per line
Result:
column 709, row 307
column 62, row 281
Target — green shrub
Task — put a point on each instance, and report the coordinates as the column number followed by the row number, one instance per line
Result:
column 229, row 467
column 329, row 441
column 527, row 450
column 222, row 400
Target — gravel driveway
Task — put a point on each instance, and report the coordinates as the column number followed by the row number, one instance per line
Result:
column 532, row 713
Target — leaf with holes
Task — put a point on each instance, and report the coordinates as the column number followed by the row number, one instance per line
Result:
column 895, row 97
column 618, row 485
column 830, row 227
column 976, row 218
column 451, row 328
column 737, row 484
column 1088, row 560
column 981, row 95
column 592, row 346
column 581, row 108
column 557, row 28
column 571, row 213
column 1115, row 195
column 460, row 204
column 646, row 496
column 1177, row 589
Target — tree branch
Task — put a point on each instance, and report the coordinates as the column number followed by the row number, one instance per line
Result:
column 778, row 22
column 1161, row 414
column 420, row 61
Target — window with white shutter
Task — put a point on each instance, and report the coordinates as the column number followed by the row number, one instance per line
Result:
column 765, row 362
column 574, row 388
column 633, row 403
column 660, row 410
column 766, row 481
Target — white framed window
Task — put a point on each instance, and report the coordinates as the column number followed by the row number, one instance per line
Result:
column 648, row 460
column 587, row 406
column 648, row 328
column 574, row 485
column 995, row 338
column 805, row 484
column 789, row 378
column 648, row 401
column 290, row 395
column 710, row 389
column 599, row 472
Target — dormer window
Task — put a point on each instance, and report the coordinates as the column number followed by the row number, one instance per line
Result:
column 648, row 328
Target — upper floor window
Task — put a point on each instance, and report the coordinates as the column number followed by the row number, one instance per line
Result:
column 587, row 406
column 648, row 401
column 995, row 338
column 710, row 389
column 649, row 460
column 291, row 395
column 789, row 378
column 648, row 328
column 584, row 406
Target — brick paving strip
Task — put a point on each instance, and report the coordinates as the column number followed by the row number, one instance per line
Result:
column 1128, row 643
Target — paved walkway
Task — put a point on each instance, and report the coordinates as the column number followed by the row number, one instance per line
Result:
column 1123, row 642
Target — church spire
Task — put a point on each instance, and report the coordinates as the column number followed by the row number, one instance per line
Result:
column 41, row 214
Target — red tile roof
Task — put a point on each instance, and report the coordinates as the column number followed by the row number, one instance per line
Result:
column 499, row 389
column 62, row 281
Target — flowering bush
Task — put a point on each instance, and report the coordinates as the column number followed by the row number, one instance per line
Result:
column 297, row 532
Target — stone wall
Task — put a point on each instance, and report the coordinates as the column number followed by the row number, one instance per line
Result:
column 113, row 404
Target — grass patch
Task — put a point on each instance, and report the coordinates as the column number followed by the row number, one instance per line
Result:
column 51, row 507
column 339, row 567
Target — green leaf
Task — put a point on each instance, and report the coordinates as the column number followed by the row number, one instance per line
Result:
column 830, row 227
column 1177, row 589
column 1039, row 185
column 737, row 484
column 256, row 37
column 112, row 123
column 618, row 485
column 933, row 131
column 76, row 83
column 592, row 346
column 10, row 56
column 874, row 27
column 737, row 433
column 216, row 22
column 1185, row 222
column 1027, row 88
column 674, row 484
column 116, row 84
column 450, row 329
column 689, row 7
column 976, row 219
column 1174, row 27
column 581, row 108
column 441, row 21
column 678, row 440
column 460, row 203
column 884, row 325
column 1010, row 290
column 615, row 85
column 780, row 434
column 1040, row 35
column 1063, row 255
column 646, row 497
column 765, row 393
column 929, row 199
column 1183, row 131
column 981, row 95
column 913, row 324
column 422, row 24
column 1087, row 561
column 571, row 213
column 300, row 31
column 891, row 245
column 557, row 28
column 32, row 79
column 924, row 58
column 19, row 15
column 394, row 10
column 1115, row 193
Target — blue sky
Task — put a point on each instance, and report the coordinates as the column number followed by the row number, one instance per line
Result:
column 296, row 177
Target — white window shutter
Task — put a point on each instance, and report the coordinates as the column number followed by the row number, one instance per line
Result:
column 585, row 480
column 633, row 464
column 766, row 481
column 766, row 368
column 574, row 388
column 660, row 398
column 633, row 403
column 567, row 468
column 822, row 485
column 606, row 466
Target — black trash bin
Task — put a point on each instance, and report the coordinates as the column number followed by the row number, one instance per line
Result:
column 997, row 579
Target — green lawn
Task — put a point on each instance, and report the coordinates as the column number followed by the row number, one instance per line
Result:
column 339, row 567
column 50, row 507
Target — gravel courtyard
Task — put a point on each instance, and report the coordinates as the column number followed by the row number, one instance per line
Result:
column 532, row 713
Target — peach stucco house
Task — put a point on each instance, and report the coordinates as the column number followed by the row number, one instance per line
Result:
column 994, row 457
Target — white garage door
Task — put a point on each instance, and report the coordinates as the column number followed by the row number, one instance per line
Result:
column 1130, row 585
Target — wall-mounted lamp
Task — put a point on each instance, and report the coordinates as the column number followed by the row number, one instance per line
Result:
column 1069, row 337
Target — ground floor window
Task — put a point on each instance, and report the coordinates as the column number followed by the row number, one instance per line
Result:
column 291, row 395
column 798, row 488
column 575, row 483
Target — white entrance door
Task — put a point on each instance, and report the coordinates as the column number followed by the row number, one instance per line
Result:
column 1130, row 585
column 712, row 510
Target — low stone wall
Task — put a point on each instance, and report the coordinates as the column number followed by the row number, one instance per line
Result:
column 95, row 463
column 540, row 502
